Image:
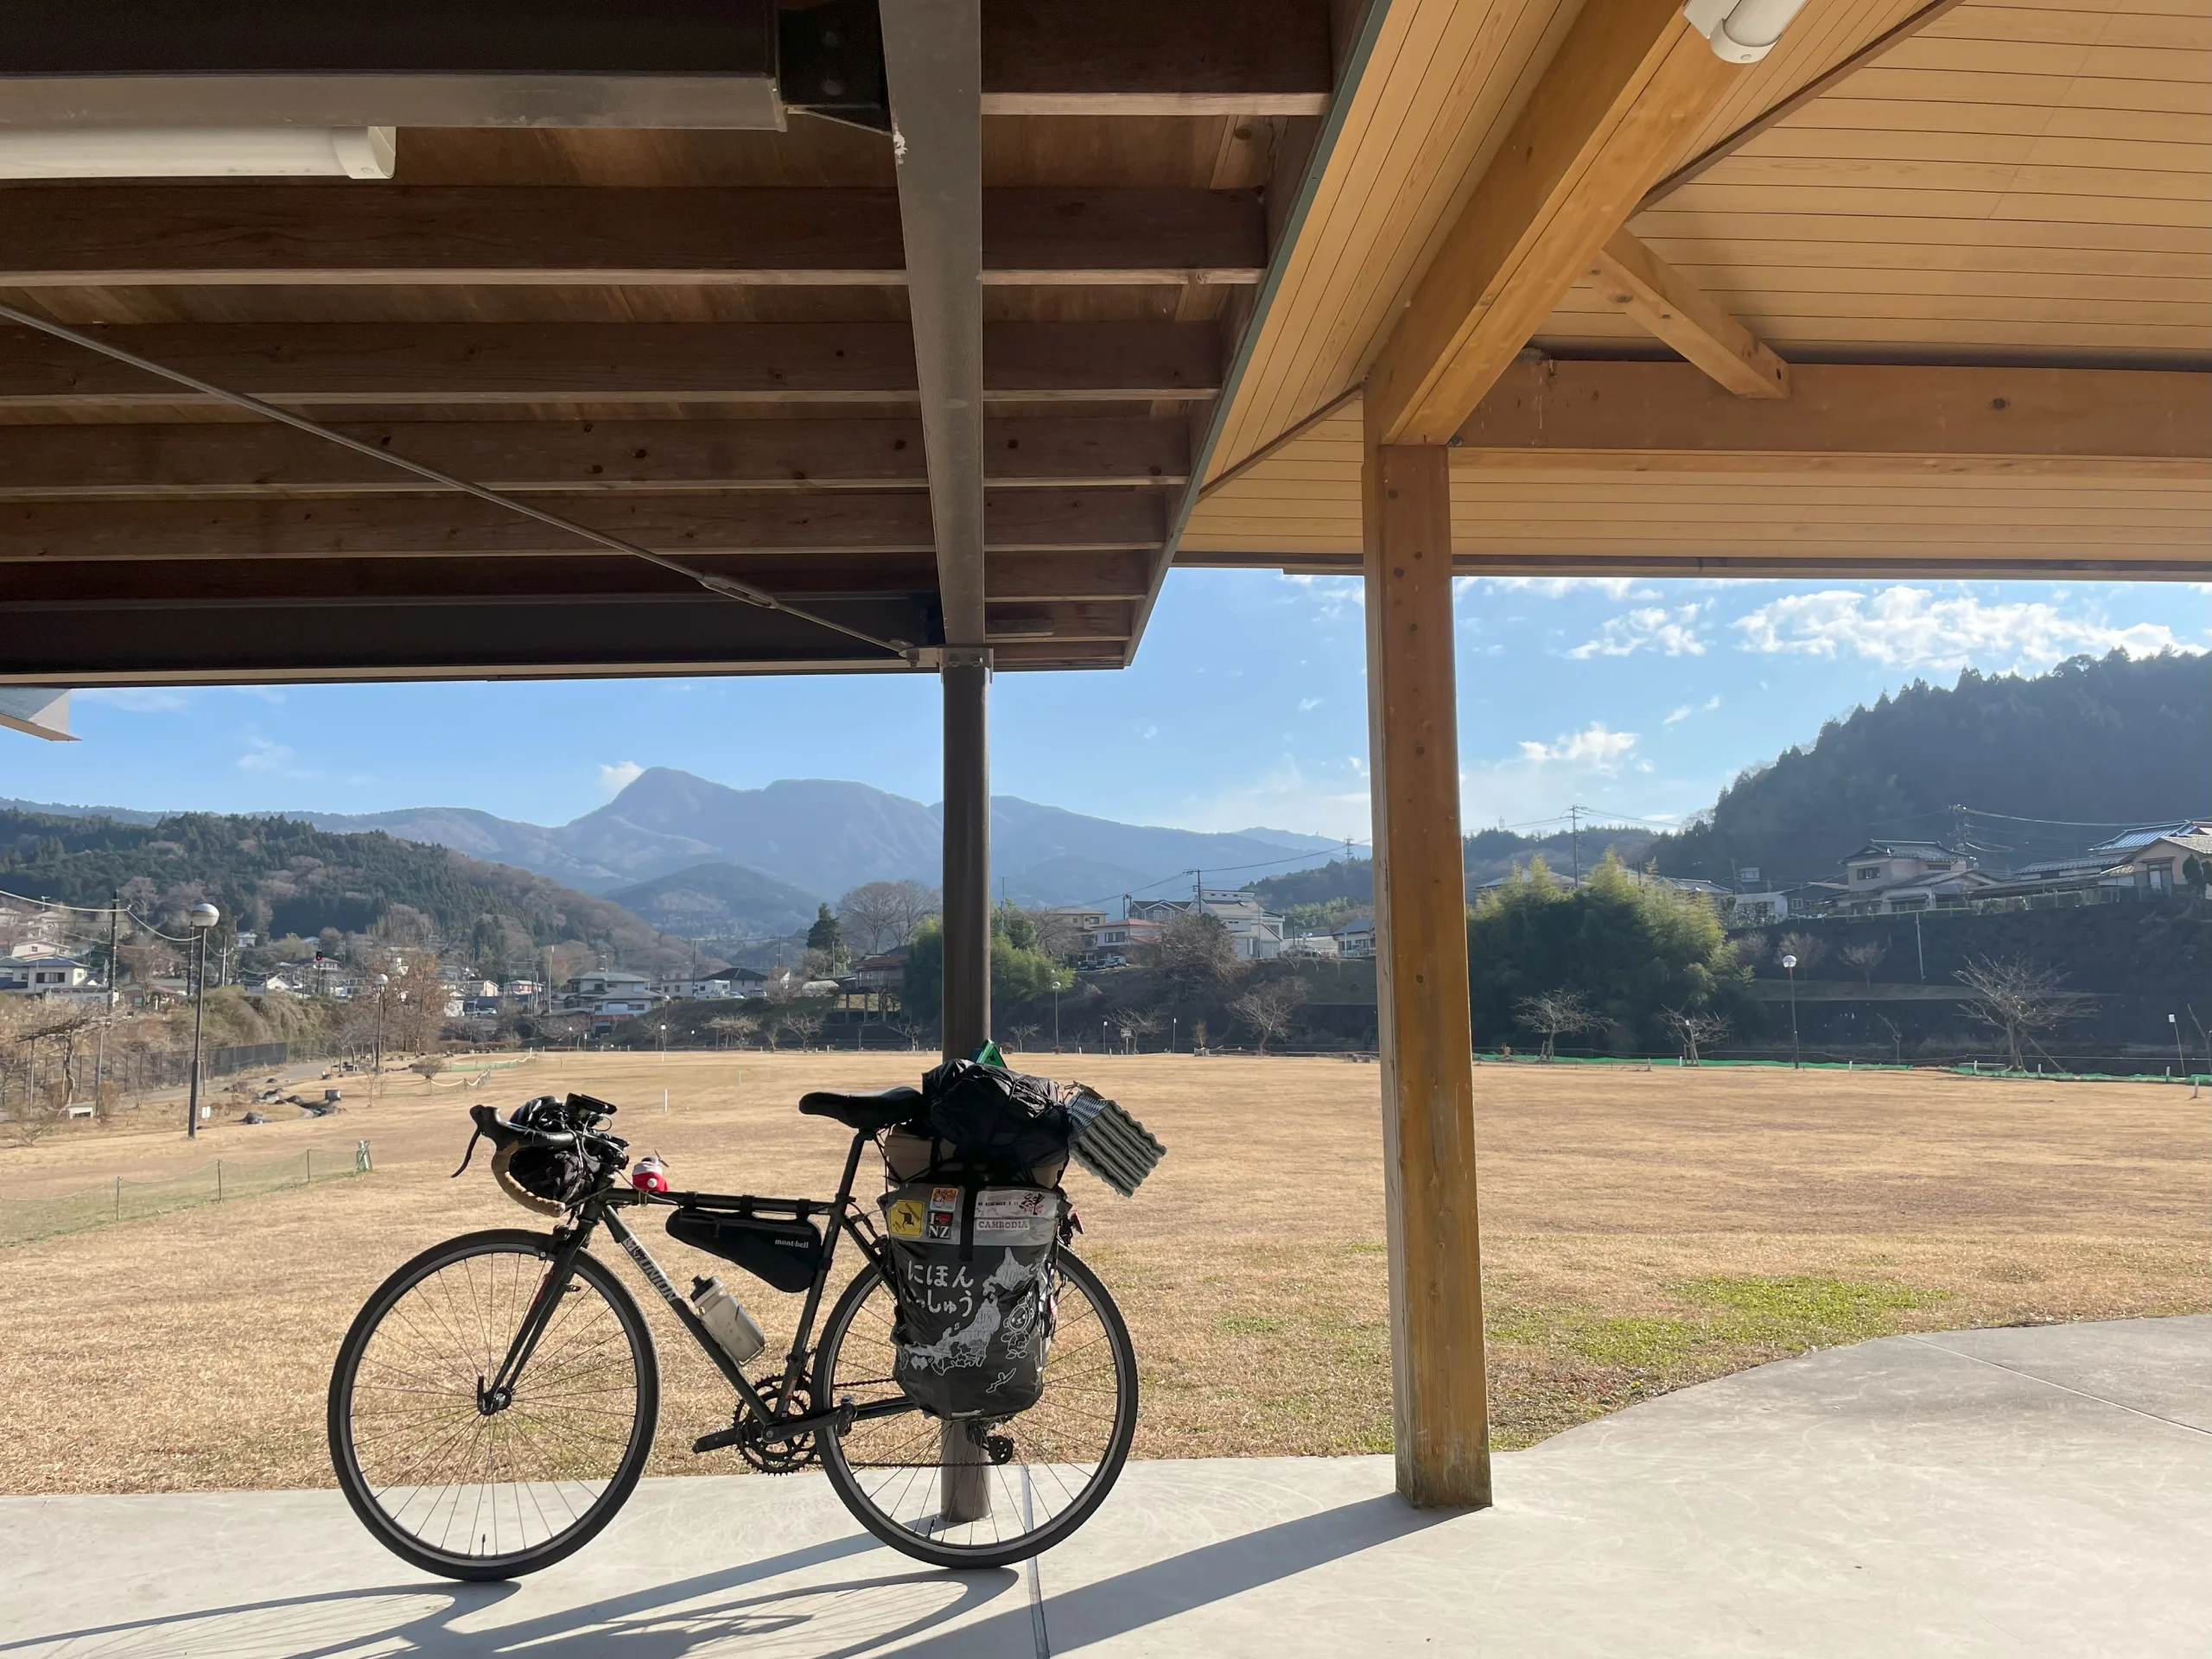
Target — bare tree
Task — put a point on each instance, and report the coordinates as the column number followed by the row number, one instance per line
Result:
column 427, row 1068
column 1136, row 1024
column 1807, row 948
column 1554, row 1014
column 2017, row 997
column 805, row 1019
column 1865, row 955
column 1193, row 952
column 1271, row 1009
column 1750, row 947
column 1896, row 1036
column 883, row 915
column 1696, row 1029
column 1022, row 1037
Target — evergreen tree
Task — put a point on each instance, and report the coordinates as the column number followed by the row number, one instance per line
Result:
column 827, row 936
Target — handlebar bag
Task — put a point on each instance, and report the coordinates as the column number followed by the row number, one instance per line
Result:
column 973, row 1267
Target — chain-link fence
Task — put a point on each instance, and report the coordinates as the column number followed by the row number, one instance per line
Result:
column 223, row 1181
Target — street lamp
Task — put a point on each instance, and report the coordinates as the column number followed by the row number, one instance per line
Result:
column 2180, row 1058
column 1790, row 965
column 375, row 1069
column 203, row 917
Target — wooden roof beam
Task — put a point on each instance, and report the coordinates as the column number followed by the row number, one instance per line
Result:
column 1628, row 85
column 1666, row 304
column 1054, row 577
column 76, row 532
column 114, row 460
column 295, row 235
column 1846, row 418
column 492, row 364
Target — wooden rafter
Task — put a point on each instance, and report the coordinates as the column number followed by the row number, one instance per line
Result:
column 741, row 525
column 1675, row 311
column 117, row 462
column 1847, row 418
column 1630, row 79
column 492, row 364
column 560, row 236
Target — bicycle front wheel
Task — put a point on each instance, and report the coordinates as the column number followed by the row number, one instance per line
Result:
column 982, row 1494
column 460, row 1485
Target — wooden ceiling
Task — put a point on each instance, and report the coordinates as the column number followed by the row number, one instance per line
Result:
column 1972, row 244
column 1941, row 274
column 696, row 340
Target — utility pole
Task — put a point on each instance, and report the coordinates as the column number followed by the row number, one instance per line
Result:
column 100, row 1056
column 1575, row 831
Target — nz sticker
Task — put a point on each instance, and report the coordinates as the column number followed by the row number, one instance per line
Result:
column 943, row 1212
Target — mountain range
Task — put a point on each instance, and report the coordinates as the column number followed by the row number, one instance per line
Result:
column 758, row 860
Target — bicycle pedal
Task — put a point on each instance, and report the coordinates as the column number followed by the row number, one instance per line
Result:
column 718, row 1440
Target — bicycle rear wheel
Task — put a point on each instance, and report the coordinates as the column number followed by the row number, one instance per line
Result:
column 1036, row 1476
column 462, row 1486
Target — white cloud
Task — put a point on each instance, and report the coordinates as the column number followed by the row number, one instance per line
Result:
column 1306, row 705
column 277, row 758
column 1689, row 709
column 1673, row 632
column 1910, row 627
column 1593, row 747
column 1331, row 597
column 133, row 699
column 619, row 776
column 1560, row 587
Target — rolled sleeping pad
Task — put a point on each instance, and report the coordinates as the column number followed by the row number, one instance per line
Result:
column 1108, row 1143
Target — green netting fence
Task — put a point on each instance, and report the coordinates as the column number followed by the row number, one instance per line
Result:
column 225, row 1180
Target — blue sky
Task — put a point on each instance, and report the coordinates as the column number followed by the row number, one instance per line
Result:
column 1247, row 706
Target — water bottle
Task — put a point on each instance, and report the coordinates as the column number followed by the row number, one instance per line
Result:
column 725, row 1320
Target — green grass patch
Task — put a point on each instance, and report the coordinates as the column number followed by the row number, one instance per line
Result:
column 1801, row 1309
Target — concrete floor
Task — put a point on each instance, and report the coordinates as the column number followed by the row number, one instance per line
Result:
column 2043, row 1492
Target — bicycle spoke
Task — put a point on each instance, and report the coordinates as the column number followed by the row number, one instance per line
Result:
column 467, row 1484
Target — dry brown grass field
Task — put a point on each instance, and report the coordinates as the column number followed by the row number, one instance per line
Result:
column 1643, row 1230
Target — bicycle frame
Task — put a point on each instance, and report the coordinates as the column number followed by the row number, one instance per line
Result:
column 845, row 1216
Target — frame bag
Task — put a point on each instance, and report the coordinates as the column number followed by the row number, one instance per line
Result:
column 973, row 1266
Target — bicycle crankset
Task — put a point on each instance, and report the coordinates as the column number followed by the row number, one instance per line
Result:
column 785, row 1456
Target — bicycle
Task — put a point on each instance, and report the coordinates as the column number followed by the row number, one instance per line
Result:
column 494, row 1402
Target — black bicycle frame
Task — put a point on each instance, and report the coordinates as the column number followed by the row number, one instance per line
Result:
column 845, row 1216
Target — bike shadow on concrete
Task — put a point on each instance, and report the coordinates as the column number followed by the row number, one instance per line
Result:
column 806, row 1601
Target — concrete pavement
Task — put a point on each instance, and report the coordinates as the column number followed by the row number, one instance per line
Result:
column 2016, row 1492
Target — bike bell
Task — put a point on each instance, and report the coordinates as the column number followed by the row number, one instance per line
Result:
column 649, row 1174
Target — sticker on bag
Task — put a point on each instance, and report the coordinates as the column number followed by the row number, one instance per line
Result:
column 903, row 1218
column 1016, row 1216
column 944, row 1213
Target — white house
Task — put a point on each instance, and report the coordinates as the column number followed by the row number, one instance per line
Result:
column 1355, row 937
column 1311, row 944
column 37, row 975
column 1256, row 932
column 1887, row 876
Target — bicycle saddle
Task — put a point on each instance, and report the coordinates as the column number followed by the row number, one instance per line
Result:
column 867, row 1113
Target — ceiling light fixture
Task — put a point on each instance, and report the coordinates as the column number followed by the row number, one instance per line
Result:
column 1742, row 31
column 196, row 152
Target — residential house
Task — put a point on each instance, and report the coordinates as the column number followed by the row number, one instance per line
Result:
column 1113, row 944
column 880, row 973
column 609, row 994
column 1883, row 877
column 41, row 975
column 1356, row 938
column 1254, row 930
column 2153, row 859
column 1311, row 944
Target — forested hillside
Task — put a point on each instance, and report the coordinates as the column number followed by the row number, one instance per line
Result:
column 275, row 876
column 2040, row 762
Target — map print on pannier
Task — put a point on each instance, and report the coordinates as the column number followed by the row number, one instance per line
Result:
column 974, row 1274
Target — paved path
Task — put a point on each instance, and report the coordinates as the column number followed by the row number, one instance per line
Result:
column 2044, row 1491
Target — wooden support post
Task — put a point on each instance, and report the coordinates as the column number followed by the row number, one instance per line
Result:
column 1420, row 949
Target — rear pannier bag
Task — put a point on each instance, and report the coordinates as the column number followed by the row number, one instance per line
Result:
column 783, row 1251
column 974, row 1276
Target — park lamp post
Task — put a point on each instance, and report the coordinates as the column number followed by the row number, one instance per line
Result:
column 1789, row 966
column 375, row 1069
column 203, row 917
column 2180, row 1058
column 664, row 1044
